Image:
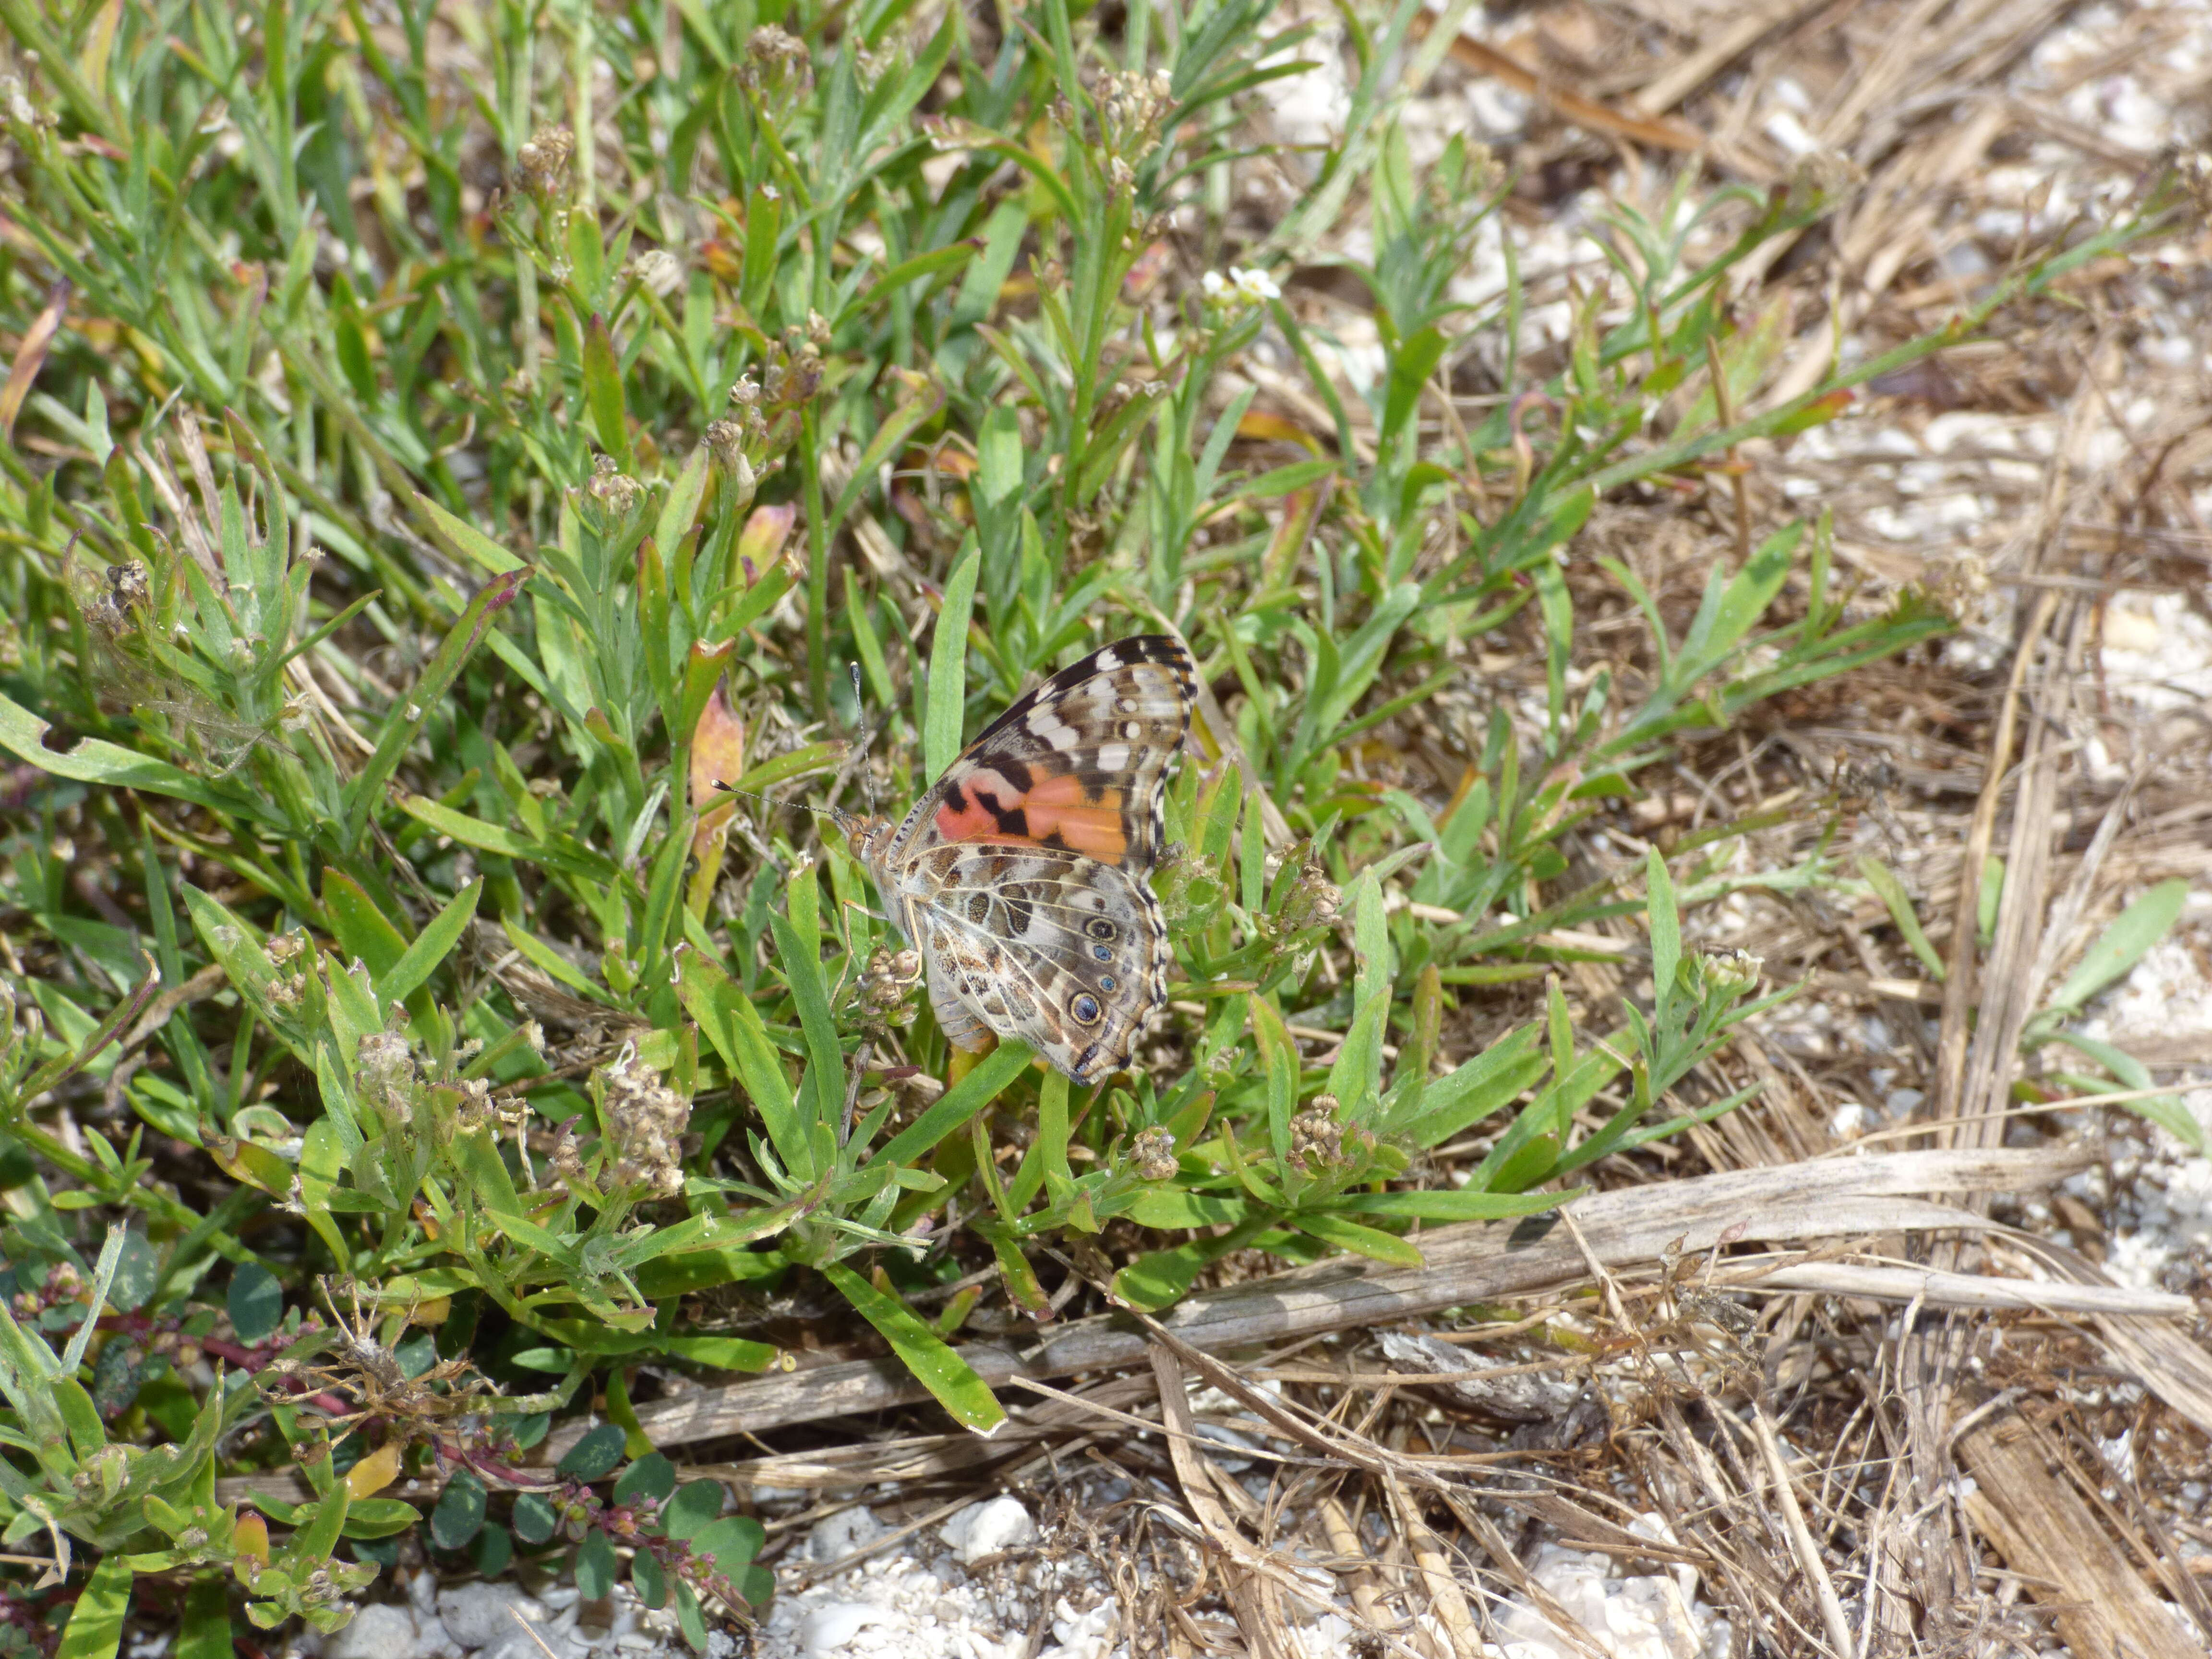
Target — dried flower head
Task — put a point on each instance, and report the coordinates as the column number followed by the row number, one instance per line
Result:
column 611, row 488
column 1316, row 1137
column 644, row 1120
column 888, row 978
column 542, row 163
column 1153, row 1153
column 386, row 1078
column 1313, row 901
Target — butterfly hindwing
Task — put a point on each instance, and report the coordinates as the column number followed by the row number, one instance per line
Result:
column 1044, row 944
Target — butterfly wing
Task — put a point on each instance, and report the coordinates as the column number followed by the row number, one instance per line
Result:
column 1080, row 763
column 1024, row 868
column 1044, row 945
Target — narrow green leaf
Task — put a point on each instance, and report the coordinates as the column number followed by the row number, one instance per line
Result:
column 205, row 1631
column 432, row 946
column 924, row 1353
column 603, row 391
column 1666, row 924
column 95, row 760
column 948, row 665
column 2121, row 945
column 1886, row 886
column 469, row 541
column 360, row 928
column 951, row 1110
column 404, row 721
column 1370, row 1241
column 94, row 1630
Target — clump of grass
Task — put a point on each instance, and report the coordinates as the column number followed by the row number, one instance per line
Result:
column 455, row 444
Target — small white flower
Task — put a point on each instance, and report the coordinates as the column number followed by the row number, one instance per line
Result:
column 1255, row 285
column 1213, row 284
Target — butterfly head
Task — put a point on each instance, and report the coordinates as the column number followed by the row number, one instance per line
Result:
column 870, row 838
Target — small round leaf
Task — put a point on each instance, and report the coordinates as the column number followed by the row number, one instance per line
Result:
column 594, row 1455
column 460, row 1512
column 256, row 1302
column 652, row 1476
column 697, row 1503
column 650, row 1581
column 492, row 1551
column 595, row 1567
column 689, row 1619
column 732, row 1542
column 534, row 1519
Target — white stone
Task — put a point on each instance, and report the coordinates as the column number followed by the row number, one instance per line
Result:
column 988, row 1528
column 481, row 1615
column 837, row 1536
column 382, row 1629
column 829, row 1630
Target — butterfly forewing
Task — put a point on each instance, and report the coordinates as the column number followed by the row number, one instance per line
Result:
column 1020, row 874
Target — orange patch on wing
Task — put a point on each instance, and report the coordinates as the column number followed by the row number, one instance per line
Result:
column 1055, row 806
column 1092, row 827
column 973, row 822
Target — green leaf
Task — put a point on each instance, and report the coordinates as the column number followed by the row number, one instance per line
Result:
column 2168, row 1111
column 648, row 1579
column 595, row 1457
column 690, row 1618
column 697, row 1504
column 1886, row 886
column 1370, row 1241
column 255, row 1301
column 2121, row 945
column 535, row 1520
column 379, row 1517
column 460, row 1512
column 948, row 666
column 1450, row 1204
column 362, row 929
column 951, row 1110
column 603, row 391
column 471, row 542
column 652, row 1476
column 1666, row 934
column 924, row 1353
column 204, row 1632
column 493, row 1551
column 734, row 1542
column 319, row 1535
column 431, row 946
column 404, row 721
column 595, row 1567
column 94, row 1630
column 23, row 734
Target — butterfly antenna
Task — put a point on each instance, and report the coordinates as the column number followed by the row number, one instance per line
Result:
column 860, row 712
column 843, row 820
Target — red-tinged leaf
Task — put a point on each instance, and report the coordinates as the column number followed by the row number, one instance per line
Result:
column 1818, row 412
column 31, row 356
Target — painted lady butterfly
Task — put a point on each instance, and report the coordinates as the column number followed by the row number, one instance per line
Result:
column 1019, row 875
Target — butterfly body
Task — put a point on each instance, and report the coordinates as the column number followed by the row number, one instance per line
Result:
column 1019, row 875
